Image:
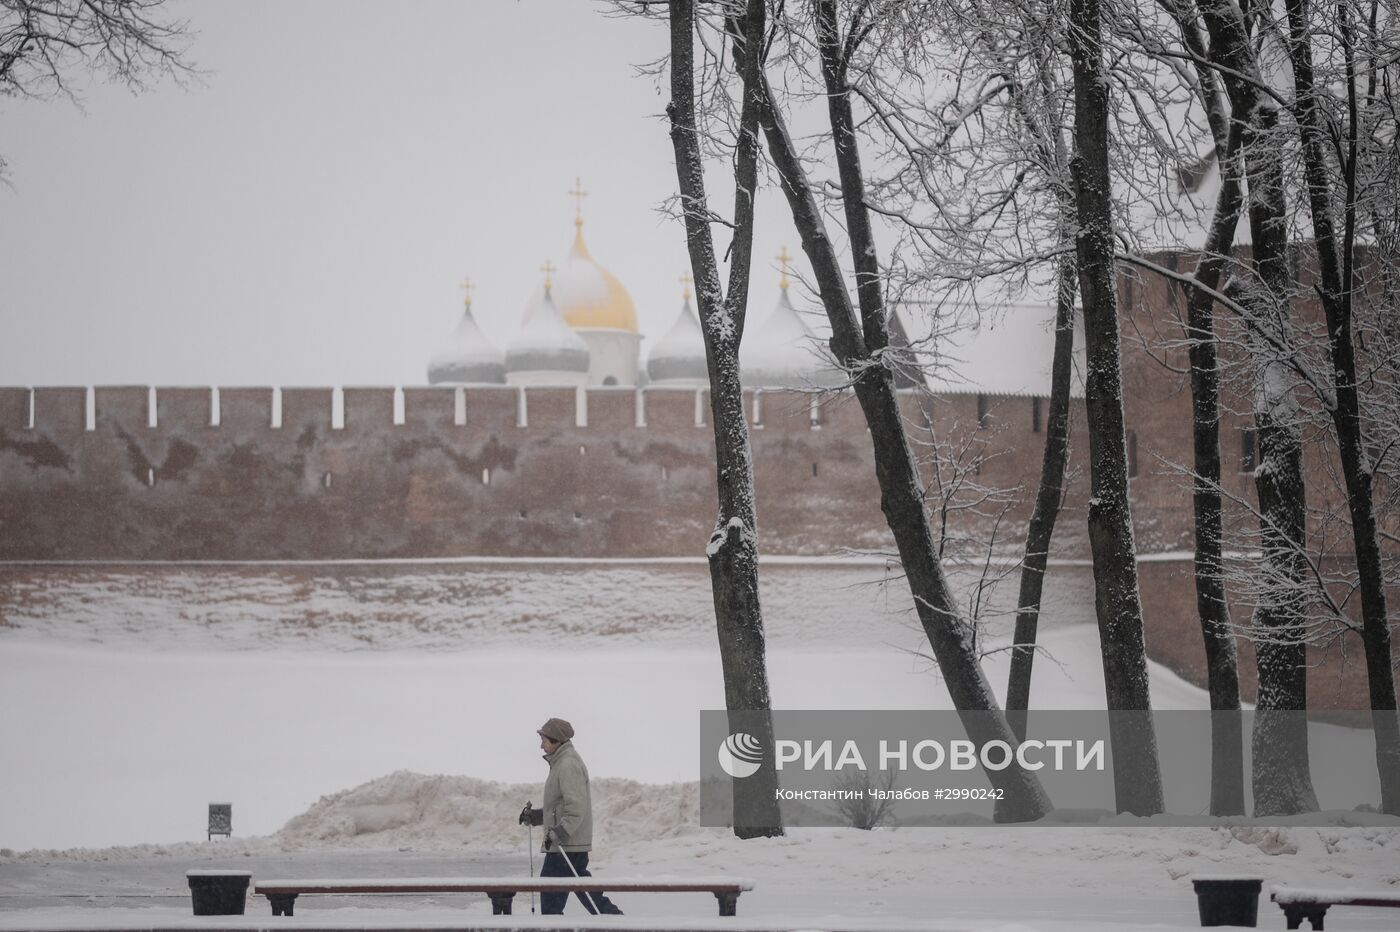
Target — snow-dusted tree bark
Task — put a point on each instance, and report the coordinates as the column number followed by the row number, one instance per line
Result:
column 859, row 342
column 1281, row 775
column 1212, row 607
column 1339, row 288
column 733, row 548
column 1137, row 777
column 1222, row 659
column 1047, row 504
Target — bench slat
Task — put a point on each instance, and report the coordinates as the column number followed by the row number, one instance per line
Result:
column 1301, row 895
column 282, row 894
column 505, row 885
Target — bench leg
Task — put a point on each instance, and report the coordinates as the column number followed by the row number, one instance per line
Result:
column 1295, row 913
column 728, row 902
column 282, row 903
column 501, row 903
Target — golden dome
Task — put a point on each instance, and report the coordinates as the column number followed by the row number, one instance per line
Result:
column 587, row 294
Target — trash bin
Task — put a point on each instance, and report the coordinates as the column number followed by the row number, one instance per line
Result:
column 220, row 820
column 218, row 893
column 1228, row 901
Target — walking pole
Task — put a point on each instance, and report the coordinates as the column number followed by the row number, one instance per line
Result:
column 530, row 829
column 565, row 855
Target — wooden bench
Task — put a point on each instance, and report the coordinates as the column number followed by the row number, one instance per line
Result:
column 282, row 894
column 1299, row 903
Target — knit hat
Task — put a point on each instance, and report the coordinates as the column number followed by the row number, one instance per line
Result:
column 557, row 730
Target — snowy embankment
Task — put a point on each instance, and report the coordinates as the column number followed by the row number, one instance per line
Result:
column 455, row 607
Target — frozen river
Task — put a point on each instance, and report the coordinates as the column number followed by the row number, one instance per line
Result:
column 131, row 696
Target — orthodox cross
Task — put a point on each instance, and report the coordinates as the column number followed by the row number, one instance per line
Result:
column 687, row 281
column 468, row 287
column 548, row 269
column 578, row 194
column 784, row 258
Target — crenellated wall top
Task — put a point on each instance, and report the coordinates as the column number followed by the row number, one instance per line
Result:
column 63, row 410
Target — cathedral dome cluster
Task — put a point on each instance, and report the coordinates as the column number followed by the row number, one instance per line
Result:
column 580, row 328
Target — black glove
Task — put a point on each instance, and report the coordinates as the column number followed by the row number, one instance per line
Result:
column 531, row 816
column 554, row 836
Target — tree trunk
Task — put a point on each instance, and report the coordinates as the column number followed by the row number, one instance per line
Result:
column 1137, row 777
column 950, row 636
column 1337, row 265
column 1047, row 504
column 1282, row 775
column 733, row 548
column 1222, row 659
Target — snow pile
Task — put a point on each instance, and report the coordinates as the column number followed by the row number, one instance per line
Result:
column 437, row 812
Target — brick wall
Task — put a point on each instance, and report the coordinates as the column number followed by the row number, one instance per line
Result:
column 479, row 471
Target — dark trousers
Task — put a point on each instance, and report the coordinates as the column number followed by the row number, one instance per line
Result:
column 553, row 903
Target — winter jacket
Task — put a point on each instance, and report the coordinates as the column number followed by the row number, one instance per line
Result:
column 568, row 806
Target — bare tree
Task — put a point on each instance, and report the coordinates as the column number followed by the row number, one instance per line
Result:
column 733, row 548
column 869, row 803
column 1338, row 149
column 1212, row 605
column 1331, row 131
column 129, row 41
column 1035, row 95
column 1137, row 777
column 861, row 344
column 1282, row 782
column 986, row 165
column 979, row 181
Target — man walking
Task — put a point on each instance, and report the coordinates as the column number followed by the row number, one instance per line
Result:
column 567, row 818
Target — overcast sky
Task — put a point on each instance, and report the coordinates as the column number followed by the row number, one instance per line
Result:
column 304, row 214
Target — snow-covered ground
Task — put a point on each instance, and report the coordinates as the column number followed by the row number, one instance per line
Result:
column 131, row 699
